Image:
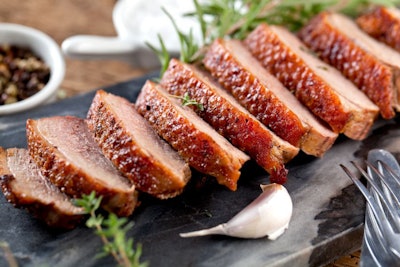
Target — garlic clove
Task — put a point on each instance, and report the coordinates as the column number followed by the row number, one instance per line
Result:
column 268, row 215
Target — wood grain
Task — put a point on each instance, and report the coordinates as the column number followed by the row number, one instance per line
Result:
column 61, row 19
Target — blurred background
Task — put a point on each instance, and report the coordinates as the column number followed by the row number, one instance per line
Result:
column 61, row 19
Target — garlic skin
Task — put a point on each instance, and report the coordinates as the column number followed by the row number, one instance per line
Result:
column 268, row 215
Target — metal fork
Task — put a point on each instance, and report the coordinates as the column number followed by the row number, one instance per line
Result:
column 381, row 243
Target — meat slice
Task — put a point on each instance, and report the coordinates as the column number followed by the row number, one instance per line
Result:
column 382, row 23
column 200, row 145
column 370, row 65
column 230, row 119
column 266, row 98
column 24, row 186
column 131, row 144
column 317, row 85
column 67, row 154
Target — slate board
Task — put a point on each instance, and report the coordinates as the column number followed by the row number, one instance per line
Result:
column 327, row 219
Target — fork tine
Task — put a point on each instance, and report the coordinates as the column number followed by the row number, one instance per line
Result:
column 377, row 228
column 378, row 190
column 376, row 242
column 362, row 188
column 376, row 233
column 396, row 179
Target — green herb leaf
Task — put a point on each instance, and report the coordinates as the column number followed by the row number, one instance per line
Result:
column 162, row 54
column 187, row 101
column 113, row 233
column 236, row 18
column 187, row 43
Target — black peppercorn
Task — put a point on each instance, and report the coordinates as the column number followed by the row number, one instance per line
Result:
column 22, row 73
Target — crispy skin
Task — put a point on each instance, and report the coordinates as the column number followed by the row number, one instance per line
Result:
column 266, row 98
column 277, row 58
column 69, row 157
column 375, row 78
column 382, row 23
column 24, row 186
column 312, row 81
column 135, row 149
column 231, row 120
column 202, row 147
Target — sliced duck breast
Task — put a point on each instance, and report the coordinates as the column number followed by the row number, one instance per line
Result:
column 320, row 87
column 199, row 144
column 24, row 186
column 266, row 98
column 382, row 23
column 67, row 154
column 372, row 66
column 230, row 119
column 127, row 139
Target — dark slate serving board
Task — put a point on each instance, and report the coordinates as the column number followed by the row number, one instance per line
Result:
column 327, row 218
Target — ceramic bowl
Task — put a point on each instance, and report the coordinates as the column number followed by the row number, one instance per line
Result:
column 48, row 50
column 137, row 23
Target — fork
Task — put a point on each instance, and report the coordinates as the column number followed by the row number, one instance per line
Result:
column 381, row 243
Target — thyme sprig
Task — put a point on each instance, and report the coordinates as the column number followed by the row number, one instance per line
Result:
column 187, row 101
column 8, row 255
column 112, row 231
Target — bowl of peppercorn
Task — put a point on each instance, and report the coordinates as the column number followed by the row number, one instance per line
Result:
column 32, row 68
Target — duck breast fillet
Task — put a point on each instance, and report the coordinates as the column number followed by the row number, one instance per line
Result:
column 129, row 141
column 382, row 23
column 24, row 186
column 199, row 144
column 66, row 152
column 230, row 119
column 320, row 87
column 372, row 66
column 266, row 98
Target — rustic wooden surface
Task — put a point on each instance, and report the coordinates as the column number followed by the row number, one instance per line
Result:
column 61, row 19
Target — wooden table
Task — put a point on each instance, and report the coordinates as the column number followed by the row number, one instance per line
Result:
column 61, row 19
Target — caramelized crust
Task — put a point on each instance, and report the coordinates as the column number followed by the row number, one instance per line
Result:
column 24, row 186
column 230, row 119
column 68, row 156
column 130, row 143
column 382, row 23
column 202, row 147
column 277, row 58
column 317, row 85
column 349, row 55
column 265, row 97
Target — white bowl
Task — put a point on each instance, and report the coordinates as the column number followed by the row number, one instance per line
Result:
column 136, row 23
column 44, row 47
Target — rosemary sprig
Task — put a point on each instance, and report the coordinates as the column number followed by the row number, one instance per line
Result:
column 189, row 48
column 236, row 18
column 112, row 231
column 187, row 101
column 187, row 42
column 162, row 54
